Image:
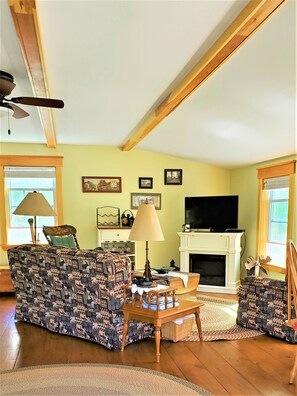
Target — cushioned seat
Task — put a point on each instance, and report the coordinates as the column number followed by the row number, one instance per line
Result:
column 63, row 235
column 263, row 306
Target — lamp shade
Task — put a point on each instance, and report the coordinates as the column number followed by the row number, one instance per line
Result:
column 146, row 226
column 34, row 204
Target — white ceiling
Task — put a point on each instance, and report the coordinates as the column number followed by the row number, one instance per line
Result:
column 112, row 61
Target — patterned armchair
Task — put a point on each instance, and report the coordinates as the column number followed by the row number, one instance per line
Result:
column 263, row 306
column 74, row 292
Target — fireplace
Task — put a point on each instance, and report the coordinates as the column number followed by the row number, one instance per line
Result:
column 211, row 267
column 215, row 256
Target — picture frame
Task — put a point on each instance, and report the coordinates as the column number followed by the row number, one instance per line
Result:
column 145, row 182
column 173, row 176
column 139, row 198
column 101, row 184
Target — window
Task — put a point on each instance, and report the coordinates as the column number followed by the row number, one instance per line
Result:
column 276, row 188
column 19, row 181
column 20, row 175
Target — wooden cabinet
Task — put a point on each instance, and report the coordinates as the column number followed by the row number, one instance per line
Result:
column 116, row 240
column 6, row 285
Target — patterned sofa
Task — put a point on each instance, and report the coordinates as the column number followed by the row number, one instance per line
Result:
column 263, row 307
column 73, row 292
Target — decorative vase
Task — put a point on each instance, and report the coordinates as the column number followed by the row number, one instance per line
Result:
column 257, row 270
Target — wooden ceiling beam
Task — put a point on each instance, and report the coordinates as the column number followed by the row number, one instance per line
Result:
column 240, row 30
column 27, row 28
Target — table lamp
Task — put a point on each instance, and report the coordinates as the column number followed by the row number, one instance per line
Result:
column 146, row 227
column 34, row 204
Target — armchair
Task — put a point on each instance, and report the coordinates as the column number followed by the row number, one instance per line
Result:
column 63, row 235
column 263, row 306
column 292, row 291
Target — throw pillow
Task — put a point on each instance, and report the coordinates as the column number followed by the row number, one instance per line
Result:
column 67, row 241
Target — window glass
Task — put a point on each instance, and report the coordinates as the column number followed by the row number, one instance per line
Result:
column 278, row 224
column 19, row 181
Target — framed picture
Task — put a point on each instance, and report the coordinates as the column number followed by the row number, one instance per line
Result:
column 145, row 182
column 101, row 184
column 173, row 176
column 139, row 198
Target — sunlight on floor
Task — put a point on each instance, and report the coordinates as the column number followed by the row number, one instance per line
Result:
column 230, row 311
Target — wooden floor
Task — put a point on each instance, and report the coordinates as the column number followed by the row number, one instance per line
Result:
column 254, row 366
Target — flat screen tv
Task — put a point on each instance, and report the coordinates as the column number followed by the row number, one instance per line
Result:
column 213, row 213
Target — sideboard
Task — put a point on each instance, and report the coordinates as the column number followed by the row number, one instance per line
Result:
column 116, row 240
column 216, row 256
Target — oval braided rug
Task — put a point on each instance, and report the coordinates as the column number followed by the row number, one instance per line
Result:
column 218, row 321
column 93, row 379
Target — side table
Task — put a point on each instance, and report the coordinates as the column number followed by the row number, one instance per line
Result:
column 135, row 310
column 6, row 285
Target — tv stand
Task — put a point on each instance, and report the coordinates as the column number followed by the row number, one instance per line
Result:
column 226, row 244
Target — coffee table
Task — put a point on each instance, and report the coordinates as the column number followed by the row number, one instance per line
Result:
column 172, row 281
column 134, row 310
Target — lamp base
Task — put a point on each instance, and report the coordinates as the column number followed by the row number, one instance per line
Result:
column 147, row 272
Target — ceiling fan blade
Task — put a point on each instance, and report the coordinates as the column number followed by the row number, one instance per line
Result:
column 43, row 102
column 18, row 112
column 6, row 87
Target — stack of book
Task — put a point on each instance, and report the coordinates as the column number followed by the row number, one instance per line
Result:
column 161, row 303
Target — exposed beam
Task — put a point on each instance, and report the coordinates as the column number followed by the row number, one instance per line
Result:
column 240, row 30
column 26, row 24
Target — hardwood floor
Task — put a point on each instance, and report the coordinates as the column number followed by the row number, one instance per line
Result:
column 254, row 366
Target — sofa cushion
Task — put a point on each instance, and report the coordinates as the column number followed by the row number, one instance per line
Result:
column 67, row 241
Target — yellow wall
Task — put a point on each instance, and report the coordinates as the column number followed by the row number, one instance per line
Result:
column 80, row 208
column 198, row 179
column 244, row 183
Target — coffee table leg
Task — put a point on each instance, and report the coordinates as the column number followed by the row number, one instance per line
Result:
column 198, row 322
column 125, row 330
column 157, row 341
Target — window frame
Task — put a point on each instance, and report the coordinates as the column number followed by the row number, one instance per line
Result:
column 25, row 160
column 271, row 171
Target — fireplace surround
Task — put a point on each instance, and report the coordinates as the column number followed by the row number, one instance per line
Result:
column 216, row 256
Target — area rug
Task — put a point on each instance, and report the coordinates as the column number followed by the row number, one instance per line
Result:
column 93, row 379
column 218, row 321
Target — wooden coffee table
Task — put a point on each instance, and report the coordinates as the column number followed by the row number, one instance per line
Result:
column 134, row 310
column 174, row 281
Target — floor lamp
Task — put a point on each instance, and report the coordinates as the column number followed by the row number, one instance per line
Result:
column 34, row 204
column 146, row 227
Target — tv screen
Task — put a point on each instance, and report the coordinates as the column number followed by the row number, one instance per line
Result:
column 214, row 213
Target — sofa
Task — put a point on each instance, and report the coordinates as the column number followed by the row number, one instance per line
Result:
column 74, row 292
column 263, row 306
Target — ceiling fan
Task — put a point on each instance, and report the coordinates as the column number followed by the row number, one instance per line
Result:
column 7, row 85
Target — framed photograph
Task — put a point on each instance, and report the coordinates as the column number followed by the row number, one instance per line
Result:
column 102, row 184
column 145, row 182
column 139, row 198
column 173, row 176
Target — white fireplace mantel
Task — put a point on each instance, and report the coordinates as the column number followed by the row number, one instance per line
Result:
column 225, row 243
